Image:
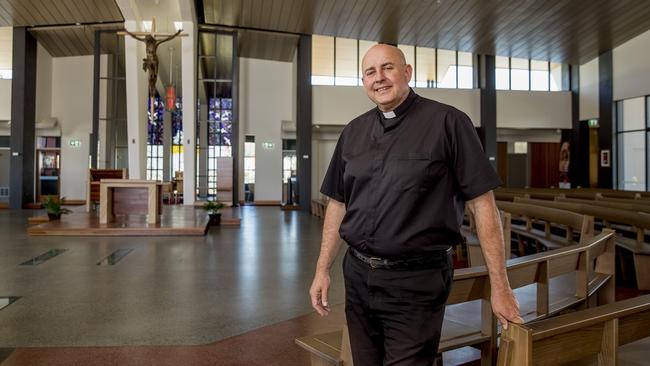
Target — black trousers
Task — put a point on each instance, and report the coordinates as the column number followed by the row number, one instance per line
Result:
column 395, row 316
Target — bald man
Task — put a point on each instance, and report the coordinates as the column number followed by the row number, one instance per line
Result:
column 399, row 180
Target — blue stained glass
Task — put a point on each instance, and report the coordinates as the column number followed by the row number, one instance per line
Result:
column 226, row 115
column 177, row 124
column 155, row 121
column 216, row 104
column 226, row 103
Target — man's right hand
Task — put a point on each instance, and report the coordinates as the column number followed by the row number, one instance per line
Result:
column 319, row 292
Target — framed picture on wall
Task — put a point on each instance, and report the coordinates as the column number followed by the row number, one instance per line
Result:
column 605, row 158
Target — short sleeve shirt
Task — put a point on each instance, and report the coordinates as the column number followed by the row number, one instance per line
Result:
column 405, row 180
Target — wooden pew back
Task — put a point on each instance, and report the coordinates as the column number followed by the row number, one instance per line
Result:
column 594, row 258
column 639, row 222
column 634, row 206
column 572, row 337
column 584, row 224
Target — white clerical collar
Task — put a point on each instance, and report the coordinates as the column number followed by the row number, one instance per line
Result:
column 389, row 115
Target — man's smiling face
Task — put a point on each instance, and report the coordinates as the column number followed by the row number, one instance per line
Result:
column 386, row 76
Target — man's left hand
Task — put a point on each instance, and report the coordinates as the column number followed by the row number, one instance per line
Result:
column 505, row 307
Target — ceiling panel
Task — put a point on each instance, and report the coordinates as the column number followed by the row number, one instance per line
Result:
column 75, row 40
column 572, row 31
column 268, row 46
column 19, row 13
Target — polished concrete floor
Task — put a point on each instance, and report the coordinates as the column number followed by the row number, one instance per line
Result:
column 237, row 296
column 166, row 291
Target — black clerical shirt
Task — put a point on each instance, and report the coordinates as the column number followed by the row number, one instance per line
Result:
column 405, row 180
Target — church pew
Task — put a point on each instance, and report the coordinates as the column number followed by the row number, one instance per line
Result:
column 634, row 206
column 584, row 336
column 637, row 223
column 544, row 283
column 570, row 221
column 474, row 252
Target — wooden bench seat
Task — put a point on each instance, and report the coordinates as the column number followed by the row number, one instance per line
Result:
column 589, row 336
column 545, row 284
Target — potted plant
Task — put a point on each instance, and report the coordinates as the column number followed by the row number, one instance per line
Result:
column 213, row 207
column 54, row 209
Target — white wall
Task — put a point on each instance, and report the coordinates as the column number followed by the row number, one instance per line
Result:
column 266, row 99
column 589, row 90
column 631, row 69
column 72, row 93
column 338, row 105
column 533, row 109
column 43, row 84
column 5, row 99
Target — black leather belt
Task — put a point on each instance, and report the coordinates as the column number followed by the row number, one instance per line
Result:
column 409, row 263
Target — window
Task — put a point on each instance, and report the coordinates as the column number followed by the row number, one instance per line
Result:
column 502, row 74
column 409, row 55
column 214, row 128
column 155, row 139
column 465, row 70
column 446, row 69
column 364, row 46
column 556, row 76
column 249, row 169
column 346, row 61
column 519, row 75
column 177, row 138
column 322, row 55
column 539, row 75
column 249, row 160
column 425, row 67
column 333, row 61
column 631, row 137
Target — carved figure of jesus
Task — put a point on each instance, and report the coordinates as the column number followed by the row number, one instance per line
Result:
column 150, row 63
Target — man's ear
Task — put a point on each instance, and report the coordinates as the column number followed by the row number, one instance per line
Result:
column 409, row 72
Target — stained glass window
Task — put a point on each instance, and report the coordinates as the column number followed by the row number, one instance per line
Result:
column 155, row 138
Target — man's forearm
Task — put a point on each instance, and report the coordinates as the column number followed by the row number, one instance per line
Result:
column 331, row 240
column 490, row 234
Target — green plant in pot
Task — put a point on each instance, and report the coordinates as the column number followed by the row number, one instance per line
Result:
column 54, row 209
column 213, row 207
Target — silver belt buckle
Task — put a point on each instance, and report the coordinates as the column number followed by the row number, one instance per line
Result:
column 375, row 262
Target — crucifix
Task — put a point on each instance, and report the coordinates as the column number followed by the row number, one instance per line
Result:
column 150, row 64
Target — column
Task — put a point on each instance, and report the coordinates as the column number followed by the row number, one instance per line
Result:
column 136, row 103
column 605, row 95
column 304, row 122
column 188, row 75
column 487, row 83
column 23, row 106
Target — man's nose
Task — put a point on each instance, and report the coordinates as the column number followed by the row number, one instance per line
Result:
column 380, row 76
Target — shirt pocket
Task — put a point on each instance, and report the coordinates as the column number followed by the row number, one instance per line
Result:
column 409, row 171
